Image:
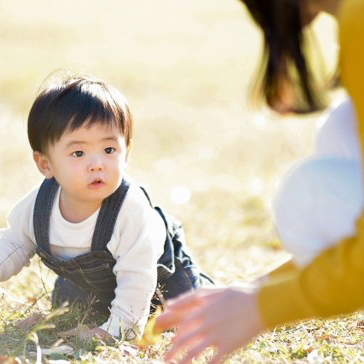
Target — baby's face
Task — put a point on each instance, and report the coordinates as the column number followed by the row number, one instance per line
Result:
column 89, row 165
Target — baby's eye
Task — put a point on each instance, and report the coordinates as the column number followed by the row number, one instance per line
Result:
column 78, row 154
column 109, row 150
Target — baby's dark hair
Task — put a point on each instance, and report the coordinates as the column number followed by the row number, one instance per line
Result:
column 74, row 101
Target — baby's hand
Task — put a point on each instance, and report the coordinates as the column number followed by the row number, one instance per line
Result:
column 86, row 334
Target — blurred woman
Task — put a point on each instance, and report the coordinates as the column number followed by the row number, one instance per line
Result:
column 327, row 282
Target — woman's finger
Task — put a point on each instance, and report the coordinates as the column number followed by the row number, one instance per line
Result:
column 190, row 299
column 167, row 319
column 176, row 310
column 195, row 351
column 184, row 301
column 184, row 339
column 217, row 357
column 195, row 330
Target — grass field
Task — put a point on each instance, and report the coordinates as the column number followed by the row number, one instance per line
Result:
column 203, row 153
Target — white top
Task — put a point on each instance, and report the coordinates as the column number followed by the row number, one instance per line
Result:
column 136, row 243
column 320, row 198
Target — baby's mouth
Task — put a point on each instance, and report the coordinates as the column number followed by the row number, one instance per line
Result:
column 96, row 182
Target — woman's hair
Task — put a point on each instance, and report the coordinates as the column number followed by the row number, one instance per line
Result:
column 69, row 103
column 284, row 63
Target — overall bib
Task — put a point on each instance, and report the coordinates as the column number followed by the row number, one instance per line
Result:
column 89, row 277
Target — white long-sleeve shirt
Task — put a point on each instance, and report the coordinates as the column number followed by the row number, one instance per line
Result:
column 136, row 243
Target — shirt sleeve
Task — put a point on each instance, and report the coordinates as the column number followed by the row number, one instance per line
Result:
column 333, row 283
column 141, row 242
column 17, row 239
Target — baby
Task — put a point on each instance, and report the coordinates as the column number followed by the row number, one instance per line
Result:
column 88, row 221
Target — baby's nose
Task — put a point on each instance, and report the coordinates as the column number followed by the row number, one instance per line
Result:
column 96, row 165
column 96, row 168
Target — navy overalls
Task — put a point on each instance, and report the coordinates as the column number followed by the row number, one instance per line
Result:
column 89, row 277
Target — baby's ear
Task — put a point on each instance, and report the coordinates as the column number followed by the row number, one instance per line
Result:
column 43, row 164
column 128, row 150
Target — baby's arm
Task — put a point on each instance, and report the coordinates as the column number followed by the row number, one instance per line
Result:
column 16, row 244
column 13, row 255
column 139, row 245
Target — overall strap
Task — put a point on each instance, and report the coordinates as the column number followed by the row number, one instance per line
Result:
column 42, row 212
column 105, row 223
column 108, row 214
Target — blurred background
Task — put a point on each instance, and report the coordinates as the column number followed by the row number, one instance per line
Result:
column 185, row 67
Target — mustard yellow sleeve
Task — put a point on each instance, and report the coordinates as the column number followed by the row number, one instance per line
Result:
column 334, row 282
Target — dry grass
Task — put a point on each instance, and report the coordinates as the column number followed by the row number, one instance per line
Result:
column 185, row 68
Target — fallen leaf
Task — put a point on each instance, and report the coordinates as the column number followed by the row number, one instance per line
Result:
column 32, row 299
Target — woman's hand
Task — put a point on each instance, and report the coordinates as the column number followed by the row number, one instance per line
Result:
column 223, row 318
